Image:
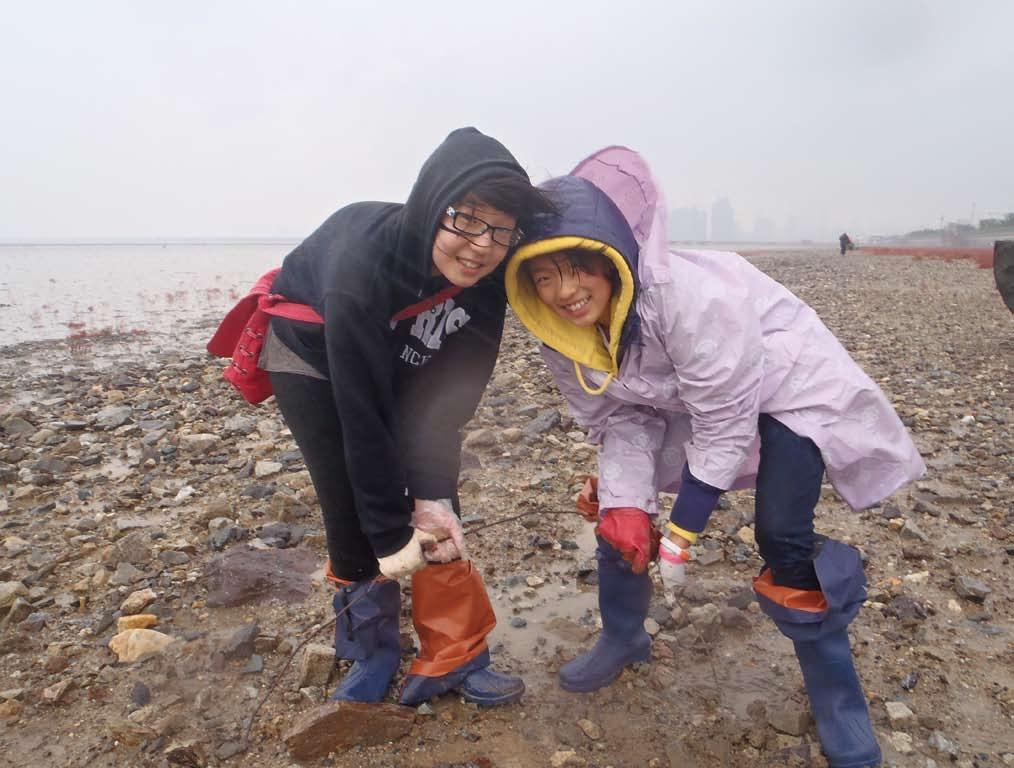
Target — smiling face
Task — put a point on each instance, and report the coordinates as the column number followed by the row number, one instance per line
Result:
column 576, row 285
column 466, row 259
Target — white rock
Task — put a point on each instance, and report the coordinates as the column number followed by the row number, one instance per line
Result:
column 267, row 468
column 901, row 742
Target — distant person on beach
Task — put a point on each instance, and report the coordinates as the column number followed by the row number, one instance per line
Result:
column 697, row 373
column 845, row 242
column 412, row 301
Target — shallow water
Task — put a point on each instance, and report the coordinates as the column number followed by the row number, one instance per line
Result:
column 65, row 291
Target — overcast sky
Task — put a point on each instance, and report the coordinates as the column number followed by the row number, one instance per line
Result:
column 139, row 119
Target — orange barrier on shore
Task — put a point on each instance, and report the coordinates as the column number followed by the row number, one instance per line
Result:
column 983, row 257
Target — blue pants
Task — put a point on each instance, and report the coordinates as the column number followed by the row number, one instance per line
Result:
column 788, row 489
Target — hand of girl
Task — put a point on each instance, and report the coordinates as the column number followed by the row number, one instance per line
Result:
column 438, row 518
column 409, row 558
column 672, row 561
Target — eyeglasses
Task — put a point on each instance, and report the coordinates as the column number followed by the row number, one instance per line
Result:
column 472, row 226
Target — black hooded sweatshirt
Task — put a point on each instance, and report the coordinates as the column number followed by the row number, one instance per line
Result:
column 403, row 390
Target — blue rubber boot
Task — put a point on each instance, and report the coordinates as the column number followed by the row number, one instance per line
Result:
column 838, row 702
column 475, row 681
column 817, row 623
column 366, row 631
column 624, row 598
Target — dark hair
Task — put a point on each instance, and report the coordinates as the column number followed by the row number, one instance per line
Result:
column 514, row 195
column 594, row 262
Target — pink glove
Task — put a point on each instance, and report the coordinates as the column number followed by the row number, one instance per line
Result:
column 437, row 518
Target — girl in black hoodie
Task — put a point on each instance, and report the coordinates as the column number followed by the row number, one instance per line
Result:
column 413, row 306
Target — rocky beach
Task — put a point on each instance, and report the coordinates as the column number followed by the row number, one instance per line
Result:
column 162, row 600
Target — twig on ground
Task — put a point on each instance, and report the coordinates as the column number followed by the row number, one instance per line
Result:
column 718, row 691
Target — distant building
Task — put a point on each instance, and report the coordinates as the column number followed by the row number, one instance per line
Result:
column 688, row 224
column 723, row 221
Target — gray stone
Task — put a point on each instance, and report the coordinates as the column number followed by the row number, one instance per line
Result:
column 316, row 665
column 543, row 423
column 899, row 714
column 927, row 507
column 199, row 443
column 15, row 425
column 711, row 557
column 912, row 532
column 240, row 644
column 20, row 610
column 113, row 416
column 971, row 589
column 791, row 719
column 480, row 438
column 125, row 575
column 132, row 523
column 267, row 468
column 10, row 591
column 937, row 741
column 133, row 548
column 239, row 424
column 733, row 618
column 173, row 557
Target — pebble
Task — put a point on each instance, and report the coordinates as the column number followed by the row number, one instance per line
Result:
column 971, row 589
column 136, row 621
column 899, row 714
column 137, row 601
column 902, row 742
column 590, row 729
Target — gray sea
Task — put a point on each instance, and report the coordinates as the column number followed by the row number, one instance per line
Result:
column 56, row 291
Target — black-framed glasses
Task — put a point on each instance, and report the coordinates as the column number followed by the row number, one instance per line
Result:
column 472, row 226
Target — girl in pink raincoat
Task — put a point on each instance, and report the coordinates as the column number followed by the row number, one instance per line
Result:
column 696, row 373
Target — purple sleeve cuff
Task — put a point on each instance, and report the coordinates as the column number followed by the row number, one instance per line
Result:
column 694, row 504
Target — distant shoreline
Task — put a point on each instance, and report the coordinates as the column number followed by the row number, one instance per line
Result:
column 156, row 242
column 712, row 245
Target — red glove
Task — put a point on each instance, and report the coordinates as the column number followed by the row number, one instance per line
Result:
column 630, row 531
column 588, row 500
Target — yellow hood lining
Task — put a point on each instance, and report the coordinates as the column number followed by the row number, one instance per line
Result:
column 584, row 346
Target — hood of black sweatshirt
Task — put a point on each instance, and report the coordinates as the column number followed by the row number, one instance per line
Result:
column 462, row 160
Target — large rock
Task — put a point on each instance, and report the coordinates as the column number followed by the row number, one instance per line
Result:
column 341, row 725
column 242, row 574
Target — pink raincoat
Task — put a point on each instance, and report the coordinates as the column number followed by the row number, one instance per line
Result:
column 720, row 343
